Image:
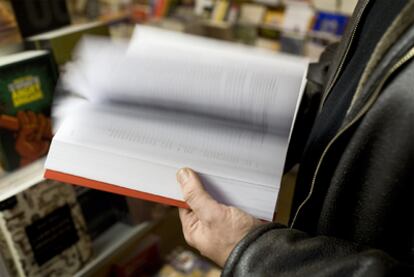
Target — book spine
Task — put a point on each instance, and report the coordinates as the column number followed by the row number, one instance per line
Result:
column 11, row 249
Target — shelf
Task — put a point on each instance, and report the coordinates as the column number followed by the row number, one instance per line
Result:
column 17, row 181
column 310, row 34
column 106, row 245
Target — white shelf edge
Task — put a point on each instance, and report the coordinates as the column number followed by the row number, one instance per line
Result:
column 110, row 241
column 17, row 181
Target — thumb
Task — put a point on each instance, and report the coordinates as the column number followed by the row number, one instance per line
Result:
column 194, row 194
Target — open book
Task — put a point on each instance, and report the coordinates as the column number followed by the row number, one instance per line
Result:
column 169, row 100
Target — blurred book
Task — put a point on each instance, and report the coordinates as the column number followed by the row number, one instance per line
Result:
column 140, row 13
column 2, row 171
column 272, row 3
column 62, row 41
column 330, row 23
column 347, row 7
column 298, row 18
column 144, row 260
column 327, row 5
column 7, row 19
column 170, row 100
column 162, row 8
column 293, row 43
column 101, row 210
column 202, row 7
column 87, row 9
column 327, row 29
column 269, row 44
column 246, row 33
column 274, row 18
column 217, row 29
column 27, row 86
column 9, row 32
column 38, row 16
column 252, row 13
column 184, row 263
column 43, row 233
column 234, row 12
column 220, row 11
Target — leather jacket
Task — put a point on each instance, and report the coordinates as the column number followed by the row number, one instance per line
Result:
column 363, row 223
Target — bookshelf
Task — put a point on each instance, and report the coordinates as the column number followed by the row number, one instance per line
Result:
column 106, row 246
column 119, row 237
column 17, row 181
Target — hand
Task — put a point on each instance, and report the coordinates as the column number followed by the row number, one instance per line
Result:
column 33, row 136
column 214, row 229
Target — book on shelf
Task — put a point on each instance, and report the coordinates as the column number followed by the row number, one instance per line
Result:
column 62, row 41
column 252, row 13
column 170, row 100
column 220, row 11
column 9, row 32
column 330, row 23
column 27, row 86
column 101, row 210
column 38, row 16
column 298, row 18
column 42, row 232
column 143, row 260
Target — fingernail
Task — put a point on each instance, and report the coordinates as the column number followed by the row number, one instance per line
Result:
column 183, row 175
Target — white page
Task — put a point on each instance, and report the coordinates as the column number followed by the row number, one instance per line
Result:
column 193, row 74
column 142, row 149
column 156, row 178
column 170, row 138
column 224, row 111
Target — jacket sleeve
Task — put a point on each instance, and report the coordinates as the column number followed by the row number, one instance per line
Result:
column 318, row 74
column 274, row 250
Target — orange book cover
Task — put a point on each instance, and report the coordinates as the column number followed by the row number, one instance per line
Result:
column 76, row 180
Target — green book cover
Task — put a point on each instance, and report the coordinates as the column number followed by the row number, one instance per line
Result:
column 27, row 85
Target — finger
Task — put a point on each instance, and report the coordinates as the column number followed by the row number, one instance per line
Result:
column 47, row 134
column 187, row 217
column 182, row 213
column 32, row 118
column 23, row 119
column 188, row 221
column 42, row 126
column 194, row 194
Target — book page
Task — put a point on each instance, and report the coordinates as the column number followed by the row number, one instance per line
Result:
column 165, row 101
column 143, row 148
column 171, row 138
column 191, row 74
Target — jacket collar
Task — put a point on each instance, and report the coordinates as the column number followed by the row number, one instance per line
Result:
column 343, row 49
column 393, row 45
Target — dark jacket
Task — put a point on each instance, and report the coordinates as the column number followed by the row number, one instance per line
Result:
column 355, row 212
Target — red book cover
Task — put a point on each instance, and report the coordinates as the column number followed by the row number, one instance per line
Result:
column 75, row 180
